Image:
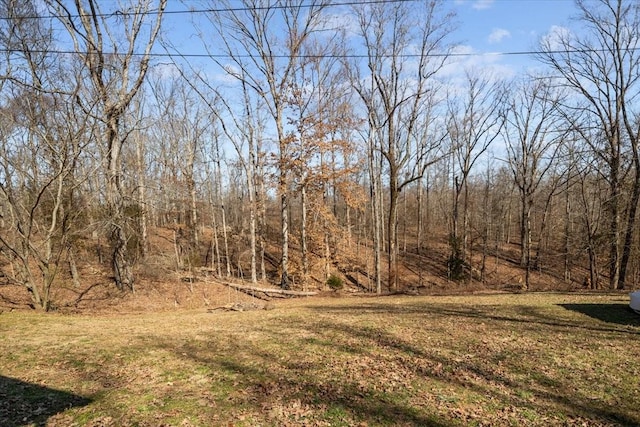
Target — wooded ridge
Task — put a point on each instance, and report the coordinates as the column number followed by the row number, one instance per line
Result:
column 292, row 158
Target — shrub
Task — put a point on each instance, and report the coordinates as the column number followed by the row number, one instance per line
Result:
column 335, row 283
column 457, row 268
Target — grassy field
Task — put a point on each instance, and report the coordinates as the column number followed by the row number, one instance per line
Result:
column 492, row 360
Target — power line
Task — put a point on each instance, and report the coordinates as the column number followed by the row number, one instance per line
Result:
column 119, row 13
column 277, row 6
column 345, row 56
column 329, row 3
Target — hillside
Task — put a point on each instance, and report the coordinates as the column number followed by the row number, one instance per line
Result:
column 164, row 283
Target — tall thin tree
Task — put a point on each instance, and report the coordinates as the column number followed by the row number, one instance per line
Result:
column 116, row 50
column 398, row 93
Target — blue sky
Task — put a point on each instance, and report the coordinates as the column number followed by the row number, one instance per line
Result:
column 484, row 26
column 508, row 26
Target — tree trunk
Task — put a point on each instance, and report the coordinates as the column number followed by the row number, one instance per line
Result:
column 614, row 243
column 118, row 238
column 404, row 222
column 263, row 226
column 630, row 229
column 507, row 224
column 524, row 221
column 193, row 213
column 528, row 245
column 543, row 228
column 303, row 236
column 567, row 225
column 486, row 227
column 419, row 229
column 455, row 233
column 225, row 240
column 115, row 84
column 465, row 222
column 284, row 228
column 142, row 198
column 593, row 267
column 216, row 262
column 392, row 234
column 419, row 224
column 252, row 225
column 376, row 209
column 73, row 268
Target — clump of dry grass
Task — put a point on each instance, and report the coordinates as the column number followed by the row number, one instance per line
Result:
column 529, row 359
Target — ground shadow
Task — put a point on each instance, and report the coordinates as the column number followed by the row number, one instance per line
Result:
column 530, row 316
column 540, row 383
column 619, row 314
column 23, row 403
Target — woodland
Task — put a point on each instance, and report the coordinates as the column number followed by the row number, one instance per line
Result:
column 321, row 145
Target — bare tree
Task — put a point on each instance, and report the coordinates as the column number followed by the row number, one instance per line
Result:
column 590, row 201
column 181, row 133
column 533, row 136
column 244, row 128
column 42, row 136
column 475, row 120
column 263, row 42
column 141, row 139
column 601, row 66
column 116, row 50
column 585, row 197
column 399, row 93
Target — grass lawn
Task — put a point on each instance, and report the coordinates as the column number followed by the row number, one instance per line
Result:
column 487, row 360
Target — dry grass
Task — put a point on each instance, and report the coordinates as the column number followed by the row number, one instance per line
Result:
column 527, row 359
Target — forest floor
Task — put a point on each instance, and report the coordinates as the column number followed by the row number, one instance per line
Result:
column 486, row 359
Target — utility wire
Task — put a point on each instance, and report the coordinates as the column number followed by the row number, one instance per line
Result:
column 345, row 56
column 119, row 12
column 277, row 6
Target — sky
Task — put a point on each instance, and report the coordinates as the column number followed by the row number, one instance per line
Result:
column 487, row 26
column 484, row 27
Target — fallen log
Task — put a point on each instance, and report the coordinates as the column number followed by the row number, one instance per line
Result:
column 239, row 306
column 271, row 291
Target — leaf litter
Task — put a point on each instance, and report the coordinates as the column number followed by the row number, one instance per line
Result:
column 497, row 360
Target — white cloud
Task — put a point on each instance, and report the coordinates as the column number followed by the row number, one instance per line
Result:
column 165, row 70
column 482, row 4
column 462, row 49
column 555, row 37
column 497, row 35
column 475, row 4
column 332, row 22
column 466, row 58
column 229, row 74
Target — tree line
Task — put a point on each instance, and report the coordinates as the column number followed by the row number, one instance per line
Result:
column 316, row 136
